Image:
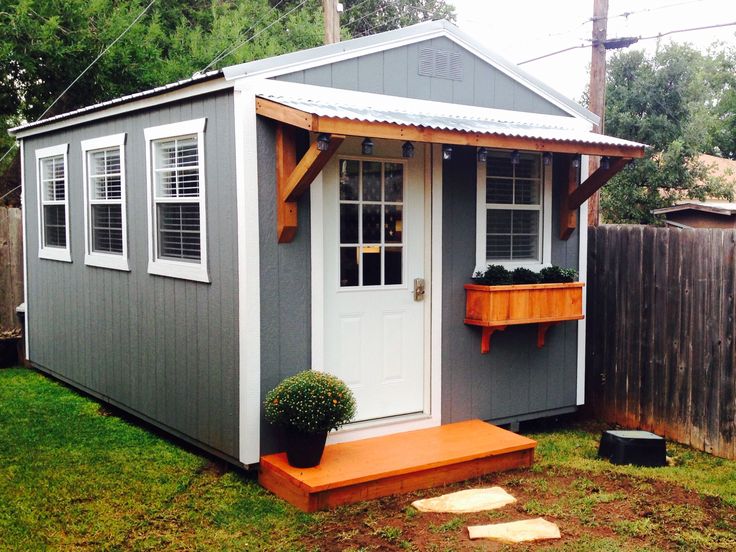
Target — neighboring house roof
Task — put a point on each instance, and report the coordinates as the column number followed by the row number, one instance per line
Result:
column 381, row 108
column 331, row 53
column 714, row 207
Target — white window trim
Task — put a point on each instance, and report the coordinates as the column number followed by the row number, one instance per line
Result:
column 53, row 253
column 97, row 258
column 166, row 267
column 480, row 221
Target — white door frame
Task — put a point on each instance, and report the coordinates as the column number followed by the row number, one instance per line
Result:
column 432, row 313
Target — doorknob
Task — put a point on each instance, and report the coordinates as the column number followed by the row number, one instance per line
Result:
column 419, row 289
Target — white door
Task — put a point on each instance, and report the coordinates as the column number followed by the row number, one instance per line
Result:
column 374, row 249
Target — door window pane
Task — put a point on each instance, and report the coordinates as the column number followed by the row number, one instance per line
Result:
column 349, row 179
column 371, row 215
column 371, row 181
column 393, row 259
column 348, row 266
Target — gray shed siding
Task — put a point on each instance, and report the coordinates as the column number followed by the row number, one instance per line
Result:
column 515, row 379
column 394, row 72
column 163, row 348
column 285, row 271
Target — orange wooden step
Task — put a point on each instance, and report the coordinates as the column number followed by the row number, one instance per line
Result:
column 402, row 462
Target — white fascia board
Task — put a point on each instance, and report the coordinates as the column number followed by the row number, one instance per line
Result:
column 119, row 108
column 249, row 303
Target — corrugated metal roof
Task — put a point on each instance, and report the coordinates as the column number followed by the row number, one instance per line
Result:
column 380, row 108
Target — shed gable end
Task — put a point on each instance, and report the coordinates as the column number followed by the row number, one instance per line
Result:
column 438, row 69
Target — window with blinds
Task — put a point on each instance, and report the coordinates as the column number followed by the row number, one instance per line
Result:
column 513, row 207
column 106, row 197
column 176, row 191
column 511, row 197
column 53, row 186
column 176, row 177
column 53, row 202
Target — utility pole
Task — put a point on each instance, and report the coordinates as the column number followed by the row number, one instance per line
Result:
column 332, row 21
column 597, row 91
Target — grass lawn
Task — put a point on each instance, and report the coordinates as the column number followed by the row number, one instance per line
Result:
column 73, row 477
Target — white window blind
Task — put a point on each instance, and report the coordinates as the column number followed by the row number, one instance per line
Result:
column 177, row 200
column 512, row 221
column 53, row 212
column 105, row 199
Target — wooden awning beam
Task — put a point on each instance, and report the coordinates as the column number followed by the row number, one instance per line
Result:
column 595, row 181
column 392, row 131
column 293, row 179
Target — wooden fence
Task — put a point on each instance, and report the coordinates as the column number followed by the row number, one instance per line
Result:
column 660, row 337
column 11, row 269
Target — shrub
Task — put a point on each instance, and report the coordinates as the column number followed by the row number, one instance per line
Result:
column 311, row 402
column 557, row 274
column 524, row 276
column 493, row 275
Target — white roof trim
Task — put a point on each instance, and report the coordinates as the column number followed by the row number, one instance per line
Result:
column 715, row 208
column 179, row 90
column 333, row 53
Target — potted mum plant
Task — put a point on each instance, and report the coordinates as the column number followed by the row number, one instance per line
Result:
column 308, row 406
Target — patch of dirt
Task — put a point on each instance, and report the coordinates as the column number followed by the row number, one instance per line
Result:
column 628, row 511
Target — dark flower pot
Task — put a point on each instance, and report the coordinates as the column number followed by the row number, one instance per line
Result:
column 304, row 450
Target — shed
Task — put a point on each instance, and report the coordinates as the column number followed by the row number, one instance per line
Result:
column 190, row 246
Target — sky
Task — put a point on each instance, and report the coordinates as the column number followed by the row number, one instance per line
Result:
column 520, row 30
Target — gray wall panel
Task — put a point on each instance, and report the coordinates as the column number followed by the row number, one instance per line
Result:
column 285, row 272
column 515, row 378
column 395, row 72
column 161, row 347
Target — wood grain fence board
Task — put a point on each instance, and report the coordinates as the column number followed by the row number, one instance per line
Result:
column 11, row 266
column 661, row 346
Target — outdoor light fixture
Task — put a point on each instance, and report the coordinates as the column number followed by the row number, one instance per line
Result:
column 515, row 157
column 407, row 150
column 323, row 142
column 547, row 158
column 482, row 155
column 446, row 153
column 605, row 163
column 367, row 146
column 576, row 161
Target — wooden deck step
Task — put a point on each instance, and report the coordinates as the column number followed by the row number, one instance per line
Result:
column 402, row 462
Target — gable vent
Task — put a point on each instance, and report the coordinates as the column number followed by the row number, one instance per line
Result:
column 441, row 64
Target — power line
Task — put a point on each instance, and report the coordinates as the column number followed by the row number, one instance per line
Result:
column 244, row 42
column 223, row 53
column 659, row 35
column 138, row 17
column 121, row 35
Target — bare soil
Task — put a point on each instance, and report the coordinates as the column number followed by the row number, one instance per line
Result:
column 594, row 512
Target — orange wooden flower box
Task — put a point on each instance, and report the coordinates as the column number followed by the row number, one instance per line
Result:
column 496, row 307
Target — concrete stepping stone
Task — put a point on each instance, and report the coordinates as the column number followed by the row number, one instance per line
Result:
column 465, row 502
column 516, row 531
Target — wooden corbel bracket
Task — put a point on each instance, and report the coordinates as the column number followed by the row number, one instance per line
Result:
column 293, row 179
column 577, row 195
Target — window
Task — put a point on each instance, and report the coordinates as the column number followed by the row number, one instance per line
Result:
column 105, row 221
column 514, row 211
column 176, row 192
column 53, row 205
column 371, row 222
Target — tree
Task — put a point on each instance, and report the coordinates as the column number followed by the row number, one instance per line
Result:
column 670, row 102
column 45, row 44
column 364, row 17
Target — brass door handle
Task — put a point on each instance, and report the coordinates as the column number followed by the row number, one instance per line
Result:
column 419, row 290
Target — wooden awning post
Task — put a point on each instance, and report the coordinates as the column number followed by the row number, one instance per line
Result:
column 293, row 179
column 568, row 217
